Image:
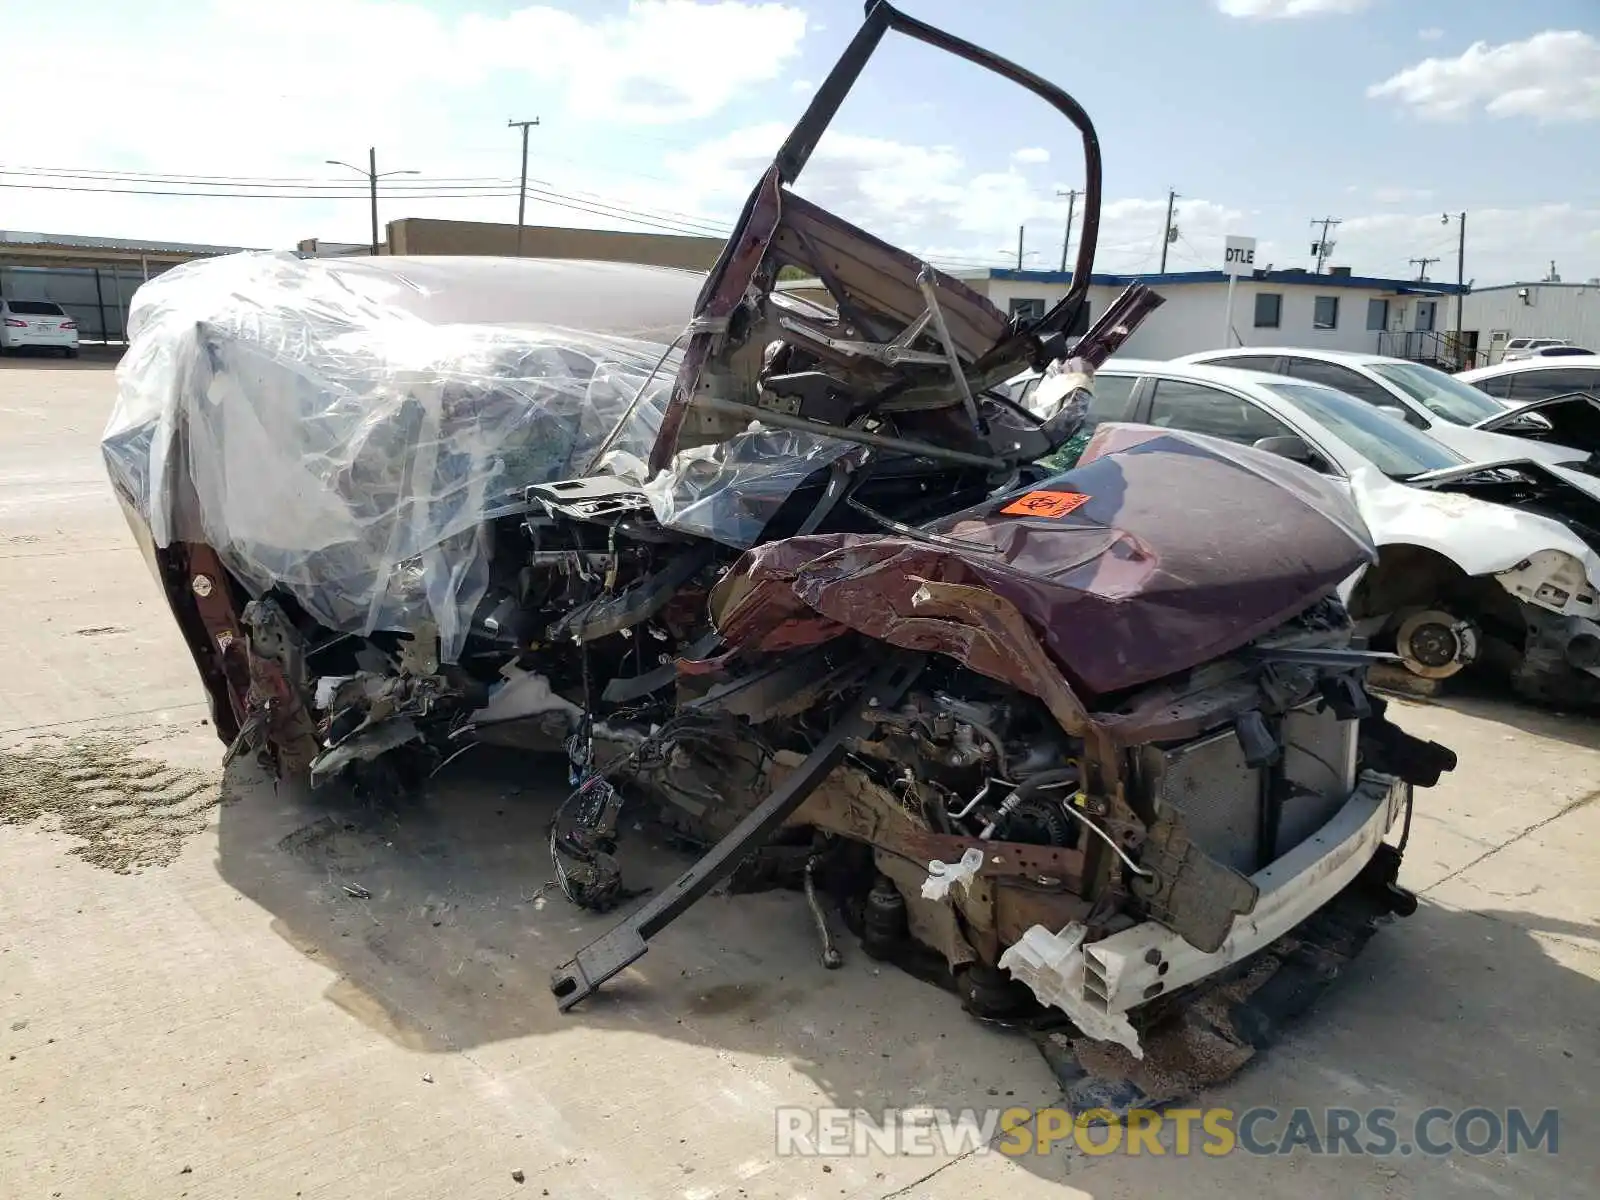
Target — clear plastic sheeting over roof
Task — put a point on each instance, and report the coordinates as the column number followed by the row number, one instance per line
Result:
column 343, row 429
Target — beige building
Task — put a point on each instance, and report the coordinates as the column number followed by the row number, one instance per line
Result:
column 417, row 235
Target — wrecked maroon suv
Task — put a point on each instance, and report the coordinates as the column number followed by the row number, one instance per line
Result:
column 788, row 575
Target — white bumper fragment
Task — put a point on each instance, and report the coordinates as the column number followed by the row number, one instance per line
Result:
column 1097, row 984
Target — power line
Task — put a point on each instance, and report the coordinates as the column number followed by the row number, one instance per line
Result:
column 699, row 228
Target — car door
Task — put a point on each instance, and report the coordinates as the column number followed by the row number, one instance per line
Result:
column 1528, row 386
column 1353, row 383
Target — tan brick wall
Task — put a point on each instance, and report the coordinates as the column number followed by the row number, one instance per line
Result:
column 414, row 235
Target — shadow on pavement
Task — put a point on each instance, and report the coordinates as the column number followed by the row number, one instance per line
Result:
column 1481, row 700
column 449, row 939
column 34, row 358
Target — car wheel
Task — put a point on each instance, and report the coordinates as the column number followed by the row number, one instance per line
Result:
column 1434, row 644
column 69, row 352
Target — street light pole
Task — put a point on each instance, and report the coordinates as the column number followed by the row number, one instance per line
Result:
column 372, row 182
column 371, row 172
column 522, row 192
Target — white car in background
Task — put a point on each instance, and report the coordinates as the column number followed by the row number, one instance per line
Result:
column 1519, row 348
column 1478, row 562
column 1453, row 412
column 1533, row 379
column 37, row 323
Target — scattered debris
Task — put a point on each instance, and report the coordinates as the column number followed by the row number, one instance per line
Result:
column 357, row 891
column 426, row 1078
column 518, row 1176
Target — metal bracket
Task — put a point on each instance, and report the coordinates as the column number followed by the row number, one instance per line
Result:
column 625, row 943
column 930, row 297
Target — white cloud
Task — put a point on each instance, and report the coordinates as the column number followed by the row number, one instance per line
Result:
column 801, row 86
column 1401, row 195
column 235, row 87
column 1431, row 34
column 1276, row 9
column 931, row 201
column 1552, row 76
column 1031, row 154
column 1502, row 245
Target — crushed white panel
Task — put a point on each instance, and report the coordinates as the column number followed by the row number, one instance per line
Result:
column 1053, row 966
column 942, row 876
column 328, row 687
column 524, row 694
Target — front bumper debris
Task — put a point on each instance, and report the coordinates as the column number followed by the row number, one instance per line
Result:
column 1098, row 983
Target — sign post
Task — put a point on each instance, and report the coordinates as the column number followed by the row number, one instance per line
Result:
column 1238, row 258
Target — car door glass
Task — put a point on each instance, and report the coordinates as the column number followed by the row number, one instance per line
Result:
column 1539, row 385
column 1249, row 362
column 1110, row 402
column 1350, row 382
column 1199, row 408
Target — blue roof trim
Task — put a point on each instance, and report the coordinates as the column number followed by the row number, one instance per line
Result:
column 1302, row 278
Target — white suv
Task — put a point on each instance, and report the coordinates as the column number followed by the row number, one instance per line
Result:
column 37, row 323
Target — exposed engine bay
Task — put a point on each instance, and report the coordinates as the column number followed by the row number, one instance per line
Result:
column 790, row 578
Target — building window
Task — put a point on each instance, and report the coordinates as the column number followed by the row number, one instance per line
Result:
column 1269, row 310
column 1029, row 308
column 1378, row 314
column 1326, row 313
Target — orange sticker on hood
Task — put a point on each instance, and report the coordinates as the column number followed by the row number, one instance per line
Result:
column 1045, row 504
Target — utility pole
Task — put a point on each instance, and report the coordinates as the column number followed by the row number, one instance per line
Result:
column 1066, row 240
column 1461, row 280
column 372, row 184
column 1167, row 235
column 1021, row 229
column 522, row 192
column 1422, row 267
column 1323, row 248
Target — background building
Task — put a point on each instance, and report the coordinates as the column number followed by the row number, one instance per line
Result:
column 1543, row 309
column 92, row 278
column 1337, row 311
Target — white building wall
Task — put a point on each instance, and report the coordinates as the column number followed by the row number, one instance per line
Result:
column 1192, row 317
column 1562, row 310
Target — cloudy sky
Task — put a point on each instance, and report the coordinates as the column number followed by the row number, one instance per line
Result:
column 1263, row 114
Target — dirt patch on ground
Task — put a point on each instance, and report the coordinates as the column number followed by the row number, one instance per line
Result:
column 126, row 807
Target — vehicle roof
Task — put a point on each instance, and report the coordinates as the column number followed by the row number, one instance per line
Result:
column 1353, row 358
column 1530, row 364
column 1199, row 372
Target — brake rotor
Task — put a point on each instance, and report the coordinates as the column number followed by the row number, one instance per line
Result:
column 1435, row 645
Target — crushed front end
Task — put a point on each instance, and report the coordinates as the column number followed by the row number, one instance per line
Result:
column 795, row 580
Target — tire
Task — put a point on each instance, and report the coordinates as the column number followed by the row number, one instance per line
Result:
column 69, row 352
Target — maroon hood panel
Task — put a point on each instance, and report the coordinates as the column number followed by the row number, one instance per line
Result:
column 1164, row 551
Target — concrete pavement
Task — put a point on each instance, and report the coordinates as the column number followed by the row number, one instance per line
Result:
column 227, row 1020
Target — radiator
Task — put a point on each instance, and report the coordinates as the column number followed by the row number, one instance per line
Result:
column 1221, row 797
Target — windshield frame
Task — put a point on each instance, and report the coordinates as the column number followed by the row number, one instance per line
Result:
column 1416, row 379
column 1376, row 434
